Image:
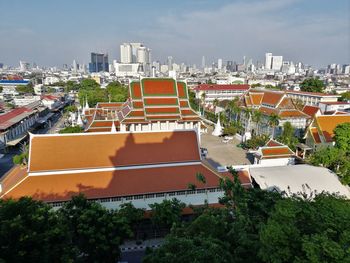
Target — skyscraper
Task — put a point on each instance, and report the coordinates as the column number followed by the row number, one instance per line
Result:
column 268, row 61
column 220, row 64
column 99, row 62
column 125, row 53
column 277, row 62
column 203, row 62
column 170, row 63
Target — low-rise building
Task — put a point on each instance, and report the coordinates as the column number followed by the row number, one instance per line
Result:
column 301, row 180
column 155, row 104
column 220, row 92
column 274, row 154
column 115, row 168
column 270, row 103
column 334, row 106
column 312, row 98
column 320, row 132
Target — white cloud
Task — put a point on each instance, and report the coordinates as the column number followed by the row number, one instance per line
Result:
column 251, row 29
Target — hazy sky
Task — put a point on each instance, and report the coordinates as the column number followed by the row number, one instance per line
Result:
column 49, row 33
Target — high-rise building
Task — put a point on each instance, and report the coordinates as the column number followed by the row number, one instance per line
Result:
column 203, row 62
column 125, row 53
column 99, row 62
column 75, row 66
column 134, row 48
column 268, row 61
column 277, row 62
column 170, row 63
column 220, row 64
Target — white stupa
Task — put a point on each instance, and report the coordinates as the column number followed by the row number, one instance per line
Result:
column 113, row 129
column 79, row 120
column 218, row 129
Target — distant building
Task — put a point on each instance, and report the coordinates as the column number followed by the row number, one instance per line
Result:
column 126, row 53
column 312, row 98
column 268, row 61
column 220, row 92
column 99, row 62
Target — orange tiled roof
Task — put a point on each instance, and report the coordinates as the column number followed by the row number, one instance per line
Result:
column 61, row 187
column 310, row 110
column 272, row 98
column 158, row 87
column 327, row 124
column 315, row 135
column 256, row 98
column 272, row 143
column 111, row 150
column 291, row 114
column 272, row 152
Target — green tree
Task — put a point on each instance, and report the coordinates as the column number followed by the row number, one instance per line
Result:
column 300, row 230
column 71, row 108
column 312, row 85
column 345, row 96
column 89, row 84
column 71, row 86
column 342, row 137
column 257, row 118
column 30, row 232
column 288, row 136
column 117, row 92
column 95, row 232
column 166, row 213
column 72, row 129
column 23, row 156
column 25, row 89
column 1, row 89
column 273, row 122
column 186, row 250
column 132, row 215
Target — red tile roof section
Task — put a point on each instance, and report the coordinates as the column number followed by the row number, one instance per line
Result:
column 62, row 187
column 111, row 150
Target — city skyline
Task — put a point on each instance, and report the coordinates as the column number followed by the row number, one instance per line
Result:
column 314, row 32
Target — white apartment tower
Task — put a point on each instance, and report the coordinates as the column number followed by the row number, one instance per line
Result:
column 219, row 64
column 125, row 53
column 277, row 63
column 268, row 61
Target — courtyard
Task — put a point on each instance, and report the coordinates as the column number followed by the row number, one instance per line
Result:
column 223, row 154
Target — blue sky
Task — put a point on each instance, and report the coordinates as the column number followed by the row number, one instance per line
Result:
column 49, row 33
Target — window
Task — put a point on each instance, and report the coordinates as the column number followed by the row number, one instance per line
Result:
column 128, row 198
column 160, row 195
column 149, row 196
column 201, row 191
column 137, row 197
column 191, row 192
column 181, row 193
column 116, row 199
column 171, row 193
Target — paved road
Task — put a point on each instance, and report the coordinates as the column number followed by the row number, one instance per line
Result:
column 223, row 154
column 6, row 158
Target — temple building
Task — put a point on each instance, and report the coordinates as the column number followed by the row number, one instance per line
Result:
column 320, row 132
column 116, row 167
column 154, row 104
column 270, row 103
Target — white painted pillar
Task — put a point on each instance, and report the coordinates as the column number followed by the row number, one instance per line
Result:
column 149, row 126
column 158, row 122
column 167, row 125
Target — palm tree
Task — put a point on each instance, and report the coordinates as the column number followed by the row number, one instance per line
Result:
column 248, row 114
column 257, row 117
column 216, row 102
column 273, row 121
